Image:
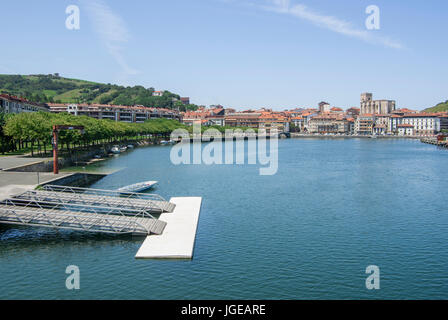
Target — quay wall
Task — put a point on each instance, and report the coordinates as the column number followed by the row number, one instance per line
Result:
column 76, row 180
column 75, row 157
column 47, row 165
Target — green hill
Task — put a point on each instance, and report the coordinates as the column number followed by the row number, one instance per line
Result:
column 53, row 88
column 441, row 107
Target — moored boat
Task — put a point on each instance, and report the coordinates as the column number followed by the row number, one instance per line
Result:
column 138, row 187
column 165, row 142
column 115, row 150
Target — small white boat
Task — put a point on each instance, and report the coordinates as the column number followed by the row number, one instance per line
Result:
column 138, row 187
column 165, row 143
column 115, row 149
column 123, row 149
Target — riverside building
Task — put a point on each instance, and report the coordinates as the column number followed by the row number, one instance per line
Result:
column 424, row 124
column 243, row 119
column 214, row 116
column 364, row 124
column 274, row 121
column 130, row 114
column 13, row 104
column 329, row 123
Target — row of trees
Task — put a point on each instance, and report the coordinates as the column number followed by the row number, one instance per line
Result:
column 35, row 130
column 6, row 142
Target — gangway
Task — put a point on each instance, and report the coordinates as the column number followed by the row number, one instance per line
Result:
column 150, row 203
column 59, row 204
column 12, row 213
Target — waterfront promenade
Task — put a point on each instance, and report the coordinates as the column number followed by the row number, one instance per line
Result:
column 12, row 183
column 10, row 162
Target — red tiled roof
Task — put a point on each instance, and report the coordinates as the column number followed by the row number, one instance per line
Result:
column 18, row 99
column 421, row 114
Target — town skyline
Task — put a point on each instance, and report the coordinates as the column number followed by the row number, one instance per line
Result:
column 374, row 117
column 241, row 54
column 160, row 92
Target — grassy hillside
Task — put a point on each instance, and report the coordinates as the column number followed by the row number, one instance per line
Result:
column 53, row 88
column 441, row 107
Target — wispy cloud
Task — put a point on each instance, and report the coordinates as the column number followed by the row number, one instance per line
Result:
column 112, row 31
column 328, row 22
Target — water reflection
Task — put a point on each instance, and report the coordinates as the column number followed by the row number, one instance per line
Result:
column 13, row 237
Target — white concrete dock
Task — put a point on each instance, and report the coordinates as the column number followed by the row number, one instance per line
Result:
column 177, row 240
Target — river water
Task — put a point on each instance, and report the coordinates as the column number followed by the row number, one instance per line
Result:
column 309, row 232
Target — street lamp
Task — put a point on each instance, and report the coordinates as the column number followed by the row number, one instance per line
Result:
column 54, row 142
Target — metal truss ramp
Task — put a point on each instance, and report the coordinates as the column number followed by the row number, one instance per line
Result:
column 79, row 220
column 149, row 203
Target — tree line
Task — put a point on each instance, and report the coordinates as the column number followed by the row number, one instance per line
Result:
column 34, row 131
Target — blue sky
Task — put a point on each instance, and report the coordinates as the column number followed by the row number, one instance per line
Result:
column 239, row 53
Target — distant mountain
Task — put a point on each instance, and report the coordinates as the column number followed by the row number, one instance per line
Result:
column 441, row 107
column 53, row 88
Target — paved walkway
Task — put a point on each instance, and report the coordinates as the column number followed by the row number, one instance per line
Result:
column 7, row 162
column 13, row 183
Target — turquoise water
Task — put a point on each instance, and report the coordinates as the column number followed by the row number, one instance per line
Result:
column 308, row 232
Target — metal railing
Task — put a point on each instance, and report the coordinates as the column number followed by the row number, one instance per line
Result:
column 10, row 213
column 124, row 204
column 110, row 193
column 151, row 202
column 60, row 204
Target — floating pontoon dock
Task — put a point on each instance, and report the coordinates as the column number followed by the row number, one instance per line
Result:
column 177, row 240
column 86, row 209
column 170, row 233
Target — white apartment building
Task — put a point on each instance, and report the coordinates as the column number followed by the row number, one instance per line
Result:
column 424, row 124
column 298, row 122
column 381, row 126
column 158, row 93
column 216, row 120
column 116, row 113
column 405, row 130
